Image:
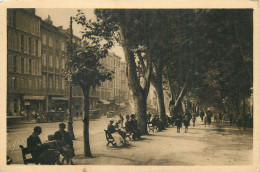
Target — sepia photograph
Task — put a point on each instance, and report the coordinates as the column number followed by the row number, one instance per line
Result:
column 130, row 87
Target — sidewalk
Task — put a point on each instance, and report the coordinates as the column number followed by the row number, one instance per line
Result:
column 222, row 145
column 200, row 146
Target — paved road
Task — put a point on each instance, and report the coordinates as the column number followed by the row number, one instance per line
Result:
column 217, row 145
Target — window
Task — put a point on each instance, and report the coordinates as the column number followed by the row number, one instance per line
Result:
column 30, row 45
column 36, row 67
column 15, row 105
column 44, row 59
column 36, row 48
column 50, row 61
column 14, row 64
column 57, row 83
column 63, row 63
column 62, row 46
column 30, row 84
column 22, row 43
column 57, row 62
column 14, row 18
column 44, row 81
column 30, row 66
column 50, row 82
column 15, row 84
column 62, row 83
column 36, row 84
column 44, row 39
column 50, row 42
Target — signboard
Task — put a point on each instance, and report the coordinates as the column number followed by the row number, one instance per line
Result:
column 59, row 98
column 33, row 97
column 27, row 103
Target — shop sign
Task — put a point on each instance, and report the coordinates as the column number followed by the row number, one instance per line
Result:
column 59, row 98
column 27, row 103
column 33, row 97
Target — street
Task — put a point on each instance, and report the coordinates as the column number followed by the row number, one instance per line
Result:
column 218, row 144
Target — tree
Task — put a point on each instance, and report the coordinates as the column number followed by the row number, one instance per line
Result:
column 83, row 66
column 135, row 30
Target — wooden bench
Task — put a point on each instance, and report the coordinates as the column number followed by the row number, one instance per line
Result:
column 26, row 160
column 110, row 139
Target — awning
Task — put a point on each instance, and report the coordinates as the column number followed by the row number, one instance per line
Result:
column 104, row 102
column 33, row 97
column 59, row 98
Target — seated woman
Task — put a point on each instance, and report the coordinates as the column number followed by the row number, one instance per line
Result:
column 118, row 135
column 39, row 151
column 65, row 143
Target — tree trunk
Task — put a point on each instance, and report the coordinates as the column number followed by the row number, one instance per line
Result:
column 140, row 110
column 180, row 97
column 139, row 94
column 87, row 152
column 159, row 90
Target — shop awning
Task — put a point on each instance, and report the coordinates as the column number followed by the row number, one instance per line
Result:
column 33, row 97
column 104, row 102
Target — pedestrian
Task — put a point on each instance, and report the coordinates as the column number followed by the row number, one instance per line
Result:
column 136, row 131
column 193, row 119
column 121, row 120
column 205, row 120
column 231, row 119
column 209, row 115
column 202, row 115
column 35, row 116
column 220, row 116
column 186, row 123
column 77, row 114
column 215, row 117
column 178, row 122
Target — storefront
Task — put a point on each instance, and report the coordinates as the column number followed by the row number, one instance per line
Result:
column 59, row 104
column 32, row 103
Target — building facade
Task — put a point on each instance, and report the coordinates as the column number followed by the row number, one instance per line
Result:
column 24, row 62
column 36, row 69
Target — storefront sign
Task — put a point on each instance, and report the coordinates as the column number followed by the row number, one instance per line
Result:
column 33, row 97
column 59, row 98
column 27, row 103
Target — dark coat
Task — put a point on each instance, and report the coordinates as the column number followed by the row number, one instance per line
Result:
column 32, row 145
column 65, row 140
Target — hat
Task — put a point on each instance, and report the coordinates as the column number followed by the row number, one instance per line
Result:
column 111, row 120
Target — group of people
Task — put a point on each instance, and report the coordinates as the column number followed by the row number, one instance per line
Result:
column 49, row 153
column 119, row 130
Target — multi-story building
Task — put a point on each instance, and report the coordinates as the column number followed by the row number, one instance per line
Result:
column 54, row 87
column 24, row 61
column 109, row 90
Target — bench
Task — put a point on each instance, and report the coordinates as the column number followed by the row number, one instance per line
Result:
column 110, row 139
column 26, row 160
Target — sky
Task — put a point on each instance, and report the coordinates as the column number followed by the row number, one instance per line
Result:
column 61, row 17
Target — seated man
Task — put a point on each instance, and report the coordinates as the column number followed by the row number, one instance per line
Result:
column 118, row 135
column 39, row 151
column 134, row 126
column 65, row 142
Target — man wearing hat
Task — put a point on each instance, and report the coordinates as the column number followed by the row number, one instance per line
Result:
column 135, row 130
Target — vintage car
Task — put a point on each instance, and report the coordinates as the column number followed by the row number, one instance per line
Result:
column 94, row 114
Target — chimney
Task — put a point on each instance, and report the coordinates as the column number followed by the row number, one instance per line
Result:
column 48, row 20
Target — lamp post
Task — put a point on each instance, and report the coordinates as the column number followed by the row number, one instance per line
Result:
column 70, row 121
